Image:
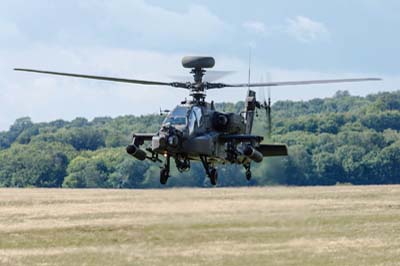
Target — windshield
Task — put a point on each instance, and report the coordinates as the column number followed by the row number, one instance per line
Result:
column 177, row 116
column 199, row 116
column 195, row 119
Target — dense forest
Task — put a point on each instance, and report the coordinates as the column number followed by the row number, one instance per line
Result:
column 342, row 139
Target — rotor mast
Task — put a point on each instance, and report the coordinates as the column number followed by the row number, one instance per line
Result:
column 197, row 88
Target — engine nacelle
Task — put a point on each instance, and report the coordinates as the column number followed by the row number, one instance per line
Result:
column 229, row 123
column 220, row 121
column 136, row 152
column 253, row 154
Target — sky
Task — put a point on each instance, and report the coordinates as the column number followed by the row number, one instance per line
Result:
column 146, row 39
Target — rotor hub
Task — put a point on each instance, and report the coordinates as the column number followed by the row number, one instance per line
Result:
column 198, row 64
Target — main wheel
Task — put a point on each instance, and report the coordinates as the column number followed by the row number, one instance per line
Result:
column 213, row 176
column 164, row 174
column 248, row 175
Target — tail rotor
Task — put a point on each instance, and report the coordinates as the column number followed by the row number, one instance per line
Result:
column 268, row 112
column 266, row 105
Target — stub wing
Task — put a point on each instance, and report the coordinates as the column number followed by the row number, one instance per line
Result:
column 139, row 138
column 272, row 150
column 267, row 150
column 241, row 137
column 144, row 136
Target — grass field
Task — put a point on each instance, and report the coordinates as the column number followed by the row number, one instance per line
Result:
column 248, row 226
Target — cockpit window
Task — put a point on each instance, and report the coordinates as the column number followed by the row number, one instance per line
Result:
column 177, row 116
column 192, row 122
column 195, row 119
column 199, row 115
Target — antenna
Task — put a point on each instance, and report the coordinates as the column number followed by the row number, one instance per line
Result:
column 249, row 77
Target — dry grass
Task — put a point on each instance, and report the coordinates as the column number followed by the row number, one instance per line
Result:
column 253, row 226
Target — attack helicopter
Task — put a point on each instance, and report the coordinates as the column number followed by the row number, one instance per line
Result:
column 195, row 131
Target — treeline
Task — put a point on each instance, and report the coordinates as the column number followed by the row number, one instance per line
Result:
column 342, row 139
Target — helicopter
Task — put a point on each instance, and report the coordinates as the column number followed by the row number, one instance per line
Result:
column 195, row 131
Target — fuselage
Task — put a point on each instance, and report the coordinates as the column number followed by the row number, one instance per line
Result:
column 193, row 130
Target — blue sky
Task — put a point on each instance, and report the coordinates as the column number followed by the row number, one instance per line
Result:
column 291, row 40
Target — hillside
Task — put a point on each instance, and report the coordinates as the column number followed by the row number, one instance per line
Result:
column 342, row 139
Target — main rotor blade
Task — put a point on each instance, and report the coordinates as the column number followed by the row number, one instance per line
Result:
column 135, row 81
column 214, row 75
column 289, row 83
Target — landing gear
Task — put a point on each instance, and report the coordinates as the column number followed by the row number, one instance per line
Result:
column 182, row 164
column 248, row 172
column 164, row 173
column 213, row 176
column 211, row 171
column 248, row 175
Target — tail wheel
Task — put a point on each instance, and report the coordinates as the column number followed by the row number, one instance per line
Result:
column 213, row 176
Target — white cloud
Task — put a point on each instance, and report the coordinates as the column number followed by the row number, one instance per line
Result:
column 45, row 97
column 9, row 31
column 117, row 23
column 145, row 21
column 76, row 45
column 306, row 30
column 255, row 27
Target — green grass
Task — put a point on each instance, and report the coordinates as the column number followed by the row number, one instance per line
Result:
column 342, row 225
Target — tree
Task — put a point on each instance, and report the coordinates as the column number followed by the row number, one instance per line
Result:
column 41, row 165
column 21, row 124
column 299, row 167
column 390, row 163
column 129, row 173
column 350, row 157
column 327, row 168
column 344, row 138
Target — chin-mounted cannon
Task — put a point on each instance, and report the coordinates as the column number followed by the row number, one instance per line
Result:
column 167, row 139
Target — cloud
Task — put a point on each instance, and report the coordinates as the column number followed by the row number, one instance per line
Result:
column 132, row 39
column 46, row 98
column 117, row 23
column 195, row 24
column 306, row 30
column 9, row 32
column 255, row 27
column 112, row 38
column 8, row 29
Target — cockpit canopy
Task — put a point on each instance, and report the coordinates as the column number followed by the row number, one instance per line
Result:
column 195, row 119
column 185, row 116
column 178, row 116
